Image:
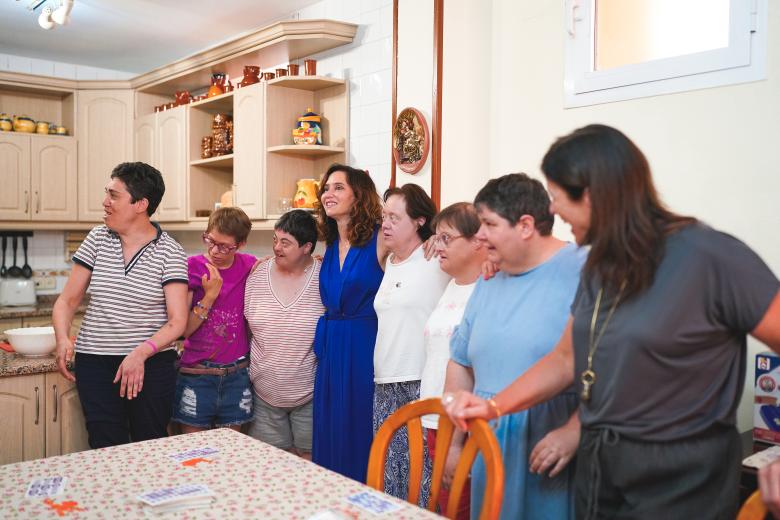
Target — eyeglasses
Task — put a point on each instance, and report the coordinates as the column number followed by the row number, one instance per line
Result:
column 222, row 248
column 446, row 239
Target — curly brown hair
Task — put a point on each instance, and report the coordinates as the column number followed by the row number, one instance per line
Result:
column 366, row 213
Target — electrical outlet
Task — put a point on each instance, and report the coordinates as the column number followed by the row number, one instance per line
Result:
column 43, row 283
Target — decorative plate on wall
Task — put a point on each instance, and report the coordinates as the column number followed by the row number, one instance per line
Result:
column 411, row 140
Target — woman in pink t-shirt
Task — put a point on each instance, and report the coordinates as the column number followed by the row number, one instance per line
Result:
column 213, row 388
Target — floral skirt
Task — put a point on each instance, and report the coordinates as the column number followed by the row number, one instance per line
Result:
column 388, row 398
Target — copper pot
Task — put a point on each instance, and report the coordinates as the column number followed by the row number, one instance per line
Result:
column 251, row 75
column 268, row 76
column 292, row 69
column 310, row 67
column 281, row 73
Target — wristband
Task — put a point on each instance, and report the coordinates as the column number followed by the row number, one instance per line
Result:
column 492, row 403
column 201, row 306
column 153, row 345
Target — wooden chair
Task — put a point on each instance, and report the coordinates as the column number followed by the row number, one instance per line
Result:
column 481, row 439
column 753, row 508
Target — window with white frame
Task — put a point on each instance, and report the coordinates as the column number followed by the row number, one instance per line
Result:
column 623, row 49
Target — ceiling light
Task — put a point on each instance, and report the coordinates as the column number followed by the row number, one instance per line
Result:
column 44, row 20
column 62, row 15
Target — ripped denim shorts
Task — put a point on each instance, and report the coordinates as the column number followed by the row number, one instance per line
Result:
column 213, row 400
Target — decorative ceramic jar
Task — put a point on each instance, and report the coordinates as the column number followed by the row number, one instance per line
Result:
column 182, row 97
column 222, row 142
column 61, row 130
column 308, row 130
column 24, row 124
column 306, row 193
column 251, row 76
column 42, row 127
column 206, row 147
column 6, row 124
column 217, row 84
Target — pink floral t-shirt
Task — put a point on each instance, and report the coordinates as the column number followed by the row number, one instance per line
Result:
column 222, row 338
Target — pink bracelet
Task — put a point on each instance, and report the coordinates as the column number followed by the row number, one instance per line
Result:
column 153, row 345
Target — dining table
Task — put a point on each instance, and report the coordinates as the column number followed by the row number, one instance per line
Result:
column 248, row 479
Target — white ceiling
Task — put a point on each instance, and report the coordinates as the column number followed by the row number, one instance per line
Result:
column 134, row 35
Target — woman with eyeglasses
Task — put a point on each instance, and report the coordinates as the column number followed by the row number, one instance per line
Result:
column 408, row 294
column 213, row 387
column 461, row 255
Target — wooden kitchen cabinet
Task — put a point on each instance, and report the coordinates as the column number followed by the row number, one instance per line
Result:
column 105, row 139
column 161, row 141
column 14, row 176
column 42, row 417
column 23, row 429
column 54, row 179
column 248, row 171
column 38, row 176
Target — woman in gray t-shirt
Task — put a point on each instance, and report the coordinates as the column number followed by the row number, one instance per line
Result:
column 655, row 344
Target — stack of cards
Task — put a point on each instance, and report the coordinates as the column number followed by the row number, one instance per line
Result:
column 168, row 500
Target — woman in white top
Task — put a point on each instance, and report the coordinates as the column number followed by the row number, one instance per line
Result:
column 410, row 289
column 461, row 255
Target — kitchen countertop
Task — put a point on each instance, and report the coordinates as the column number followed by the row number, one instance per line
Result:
column 42, row 308
column 12, row 364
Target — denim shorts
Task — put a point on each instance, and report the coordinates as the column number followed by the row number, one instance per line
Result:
column 207, row 400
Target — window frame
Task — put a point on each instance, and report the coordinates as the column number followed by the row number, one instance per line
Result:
column 744, row 60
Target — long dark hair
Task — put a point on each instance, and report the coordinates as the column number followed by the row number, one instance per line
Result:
column 628, row 221
column 366, row 212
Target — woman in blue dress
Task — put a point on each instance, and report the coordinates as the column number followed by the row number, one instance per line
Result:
column 349, row 214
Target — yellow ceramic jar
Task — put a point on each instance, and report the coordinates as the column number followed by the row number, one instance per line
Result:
column 24, row 124
column 42, row 127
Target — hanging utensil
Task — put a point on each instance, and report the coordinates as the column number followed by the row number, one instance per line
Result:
column 26, row 269
column 3, row 270
column 15, row 271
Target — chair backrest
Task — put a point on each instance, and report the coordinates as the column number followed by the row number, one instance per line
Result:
column 753, row 508
column 481, row 439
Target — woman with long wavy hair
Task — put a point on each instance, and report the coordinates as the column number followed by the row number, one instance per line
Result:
column 350, row 213
column 655, row 344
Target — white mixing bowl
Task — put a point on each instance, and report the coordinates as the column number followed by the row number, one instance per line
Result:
column 32, row 341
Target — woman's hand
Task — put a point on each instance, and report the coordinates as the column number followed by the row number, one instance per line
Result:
column 64, row 355
column 212, row 282
column 489, row 269
column 429, row 248
column 556, row 449
column 463, row 406
column 131, row 371
column 259, row 261
column 453, row 456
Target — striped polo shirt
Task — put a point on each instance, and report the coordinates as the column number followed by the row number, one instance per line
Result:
column 127, row 302
column 282, row 362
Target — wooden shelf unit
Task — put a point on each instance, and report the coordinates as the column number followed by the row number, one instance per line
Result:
column 306, row 150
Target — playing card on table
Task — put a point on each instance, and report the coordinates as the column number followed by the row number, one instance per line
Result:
column 46, row 487
column 193, row 454
column 175, row 494
column 373, row 502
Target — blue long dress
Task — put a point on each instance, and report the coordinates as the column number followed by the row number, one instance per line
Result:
column 344, row 345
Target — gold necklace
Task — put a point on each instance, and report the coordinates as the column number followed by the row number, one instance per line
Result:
column 588, row 377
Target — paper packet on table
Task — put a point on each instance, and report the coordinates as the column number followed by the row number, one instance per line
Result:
column 762, row 458
column 178, row 498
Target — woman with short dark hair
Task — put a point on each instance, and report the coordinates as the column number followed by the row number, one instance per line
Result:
column 408, row 294
column 137, row 277
column 655, row 343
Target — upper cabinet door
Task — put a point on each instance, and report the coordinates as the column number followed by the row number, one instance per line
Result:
column 54, row 179
column 248, row 146
column 105, row 137
column 171, row 154
column 14, row 177
column 144, row 138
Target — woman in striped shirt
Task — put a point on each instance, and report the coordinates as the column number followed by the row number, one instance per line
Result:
column 282, row 305
column 137, row 277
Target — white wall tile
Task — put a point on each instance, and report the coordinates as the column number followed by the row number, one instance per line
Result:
column 64, row 70
column 19, row 64
column 369, row 5
column 334, row 9
column 374, row 57
column 41, row 67
column 86, row 73
column 352, row 10
column 370, row 21
column 3, row 61
column 376, row 117
column 386, row 22
column 313, row 12
column 356, row 123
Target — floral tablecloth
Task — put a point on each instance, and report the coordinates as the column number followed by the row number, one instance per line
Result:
column 250, row 479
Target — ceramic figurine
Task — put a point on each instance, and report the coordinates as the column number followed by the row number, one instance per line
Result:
column 217, row 84
column 6, row 124
column 24, row 124
column 306, row 193
column 308, row 130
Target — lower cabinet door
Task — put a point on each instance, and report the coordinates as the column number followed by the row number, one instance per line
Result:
column 23, row 412
column 66, row 430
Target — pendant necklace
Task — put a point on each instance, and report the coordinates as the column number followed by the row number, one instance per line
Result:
column 588, row 377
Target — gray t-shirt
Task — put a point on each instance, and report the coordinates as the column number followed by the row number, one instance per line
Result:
column 671, row 363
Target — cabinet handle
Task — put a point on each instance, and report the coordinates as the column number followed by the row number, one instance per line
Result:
column 26, row 201
column 37, row 203
column 56, row 402
column 37, row 405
